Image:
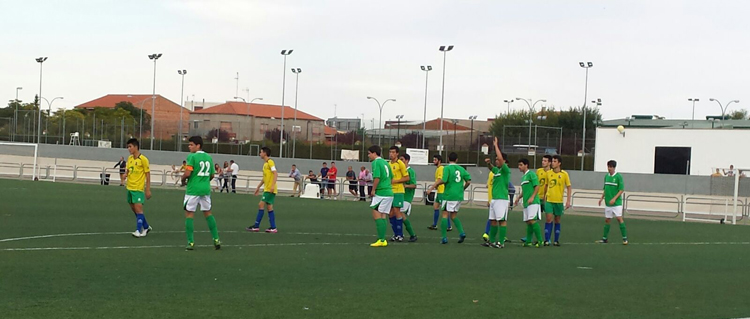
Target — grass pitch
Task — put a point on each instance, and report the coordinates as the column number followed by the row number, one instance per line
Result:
column 66, row 252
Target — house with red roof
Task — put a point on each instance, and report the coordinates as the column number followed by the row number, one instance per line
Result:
column 251, row 121
column 166, row 118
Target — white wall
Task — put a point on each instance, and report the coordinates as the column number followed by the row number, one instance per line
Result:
column 634, row 153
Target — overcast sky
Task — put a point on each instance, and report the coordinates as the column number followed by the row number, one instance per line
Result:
column 649, row 56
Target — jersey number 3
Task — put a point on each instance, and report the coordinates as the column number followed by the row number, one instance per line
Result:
column 458, row 177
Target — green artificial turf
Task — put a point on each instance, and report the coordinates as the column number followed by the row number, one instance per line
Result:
column 320, row 264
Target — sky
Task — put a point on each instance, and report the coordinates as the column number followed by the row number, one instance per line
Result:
column 649, row 56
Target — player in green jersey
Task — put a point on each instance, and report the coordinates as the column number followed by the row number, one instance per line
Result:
column 410, row 188
column 614, row 187
column 382, row 193
column 456, row 180
column 500, row 201
column 198, row 175
column 531, row 209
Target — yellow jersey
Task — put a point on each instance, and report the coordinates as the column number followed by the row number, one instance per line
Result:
column 557, row 182
column 541, row 174
column 268, row 168
column 490, row 177
column 399, row 171
column 439, row 177
column 137, row 169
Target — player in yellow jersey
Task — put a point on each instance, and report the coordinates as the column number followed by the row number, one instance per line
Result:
column 438, row 161
column 138, row 175
column 541, row 175
column 270, row 177
column 400, row 176
column 558, row 182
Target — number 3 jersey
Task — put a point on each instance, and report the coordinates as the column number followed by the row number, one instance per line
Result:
column 201, row 168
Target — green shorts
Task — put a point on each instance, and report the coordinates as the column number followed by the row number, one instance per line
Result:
column 268, row 198
column 136, row 197
column 439, row 198
column 543, row 205
column 398, row 200
column 557, row 209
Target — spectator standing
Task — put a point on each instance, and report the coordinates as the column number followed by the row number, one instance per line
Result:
column 235, row 169
column 219, row 175
column 362, row 184
column 351, row 176
column 226, row 174
column 323, row 179
column 297, row 176
column 121, row 165
column 368, row 179
column 332, row 180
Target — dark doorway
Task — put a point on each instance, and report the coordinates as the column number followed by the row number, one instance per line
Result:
column 672, row 160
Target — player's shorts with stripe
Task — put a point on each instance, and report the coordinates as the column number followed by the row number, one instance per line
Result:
column 612, row 211
column 451, row 206
column 136, row 197
column 557, row 209
column 191, row 203
column 406, row 208
column 499, row 209
column 543, row 205
column 532, row 212
column 268, row 198
column 382, row 204
column 398, row 200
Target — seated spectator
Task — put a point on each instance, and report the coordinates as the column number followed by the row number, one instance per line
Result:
column 717, row 174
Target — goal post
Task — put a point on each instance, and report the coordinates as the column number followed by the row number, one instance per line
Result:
column 23, row 153
column 727, row 200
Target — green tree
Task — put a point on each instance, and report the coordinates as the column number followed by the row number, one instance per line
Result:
column 740, row 114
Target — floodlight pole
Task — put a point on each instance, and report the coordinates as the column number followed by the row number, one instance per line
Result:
column 693, row 100
column 154, row 57
column 586, row 66
column 426, row 70
column 380, row 121
column 49, row 111
column 445, row 50
column 531, row 114
column 285, row 53
column 508, row 101
column 296, row 72
column 182, row 106
column 39, row 104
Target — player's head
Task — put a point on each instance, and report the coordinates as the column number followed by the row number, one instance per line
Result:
column 333, row 164
column 611, row 165
column 546, row 161
column 556, row 161
column 393, row 153
column 717, row 171
column 133, row 146
column 184, row 162
column 452, row 157
column 195, row 143
column 497, row 159
column 731, row 166
column 265, row 152
column 523, row 165
column 310, row 172
column 362, row 168
column 216, row 166
column 373, row 152
column 351, row 168
column 122, row 159
column 437, row 159
column 294, row 166
column 325, row 164
column 405, row 158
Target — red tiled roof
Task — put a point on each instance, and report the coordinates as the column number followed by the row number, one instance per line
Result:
column 329, row 130
column 257, row 110
column 431, row 125
column 110, row 100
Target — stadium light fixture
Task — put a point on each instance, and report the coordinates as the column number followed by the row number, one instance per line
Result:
column 586, row 66
column 444, row 49
column 182, row 73
column 296, row 72
column 154, row 57
column 40, row 60
column 285, row 53
column 426, row 70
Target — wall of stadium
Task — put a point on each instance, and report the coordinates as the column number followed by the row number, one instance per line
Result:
column 634, row 152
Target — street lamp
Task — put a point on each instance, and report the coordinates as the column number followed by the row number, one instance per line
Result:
column 508, row 101
column 724, row 108
column 380, row 121
column 296, row 72
column 15, row 115
column 154, row 57
column 285, row 53
column 586, row 66
column 40, row 60
column 398, row 127
column 454, row 121
column 49, row 111
column 693, row 100
column 426, row 70
column 471, row 134
column 182, row 106
column 445, row 50
column 531, row 114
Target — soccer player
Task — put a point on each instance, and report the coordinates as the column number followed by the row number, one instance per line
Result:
column 531, row 208
column 138, row 178
column 270, row 176
column 411, row 187
column 199, row 171
column 382, row 194
column 500, row 201
column 456, row 180
column 438, row 161
column 557, row 182
column 541, row 175
column 614, row 187
column 399, row 177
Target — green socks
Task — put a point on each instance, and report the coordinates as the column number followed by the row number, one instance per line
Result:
column 407, row 224
column 623, row 230
column 381, row 225
column 444, row 227
column 460, row 227
column 537, row 231
column 503, row 232
column 189, row 229
column 606, row 230
column 493, row 233
column 212, row 226
column 529, row 233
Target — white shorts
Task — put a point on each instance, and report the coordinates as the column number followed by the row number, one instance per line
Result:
column 499, row 209
column 612, row 212
column 451, row 206
column 382, row 204
column 532, row 212
column 406, row 208
column 191, row 202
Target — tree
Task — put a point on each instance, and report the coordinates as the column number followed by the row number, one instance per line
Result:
column 223, row 135
column 740, row 114
column 273, row 135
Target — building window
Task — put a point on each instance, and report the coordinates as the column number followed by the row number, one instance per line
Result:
column 263, row 128
column 315, row 131
column 226, row 126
